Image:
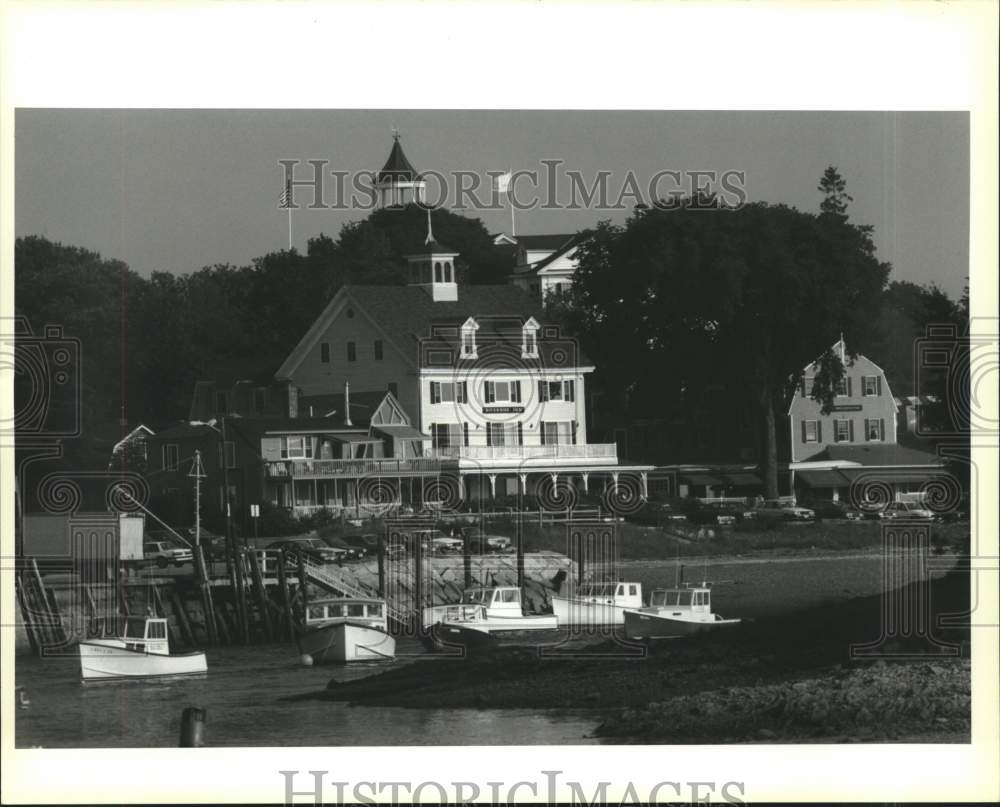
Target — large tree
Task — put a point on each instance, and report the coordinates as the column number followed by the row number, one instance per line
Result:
column 685, row 297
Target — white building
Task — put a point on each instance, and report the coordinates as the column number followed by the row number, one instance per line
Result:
column 543, row 263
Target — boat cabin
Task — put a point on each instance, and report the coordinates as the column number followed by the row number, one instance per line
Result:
column 628, row 595
column 322, row 612
column 697, row 600
column 137, row 632
column 505, row 599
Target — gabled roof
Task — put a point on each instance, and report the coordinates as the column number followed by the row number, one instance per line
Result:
column 545, row 241
column 330, row 406
column 536, row 268
column 185, row 431
column 878, row 455
column 294, row 425
column 411, row 320
column 397, row 168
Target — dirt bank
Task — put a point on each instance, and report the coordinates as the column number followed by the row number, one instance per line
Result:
column 744, row 677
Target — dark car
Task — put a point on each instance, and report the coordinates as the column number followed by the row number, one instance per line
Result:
column 719, row 513
column 656, row 514
column 834, row 510
column 314, row 549
column 364, row 545
column 353, row 545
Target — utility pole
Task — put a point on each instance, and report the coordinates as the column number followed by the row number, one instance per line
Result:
column 197, row 473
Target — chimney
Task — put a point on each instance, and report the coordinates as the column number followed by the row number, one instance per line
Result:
column 347, row 403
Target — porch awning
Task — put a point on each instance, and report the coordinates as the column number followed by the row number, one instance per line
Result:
column 701, row 479
column 892, row 475
column 822, row 479
column 402, row 431
column 742, row 479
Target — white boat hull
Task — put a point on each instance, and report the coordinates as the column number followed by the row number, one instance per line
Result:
column 108, row 661
column 347, row 641
column 493, row 623
column 650, row 625
column 571, row 611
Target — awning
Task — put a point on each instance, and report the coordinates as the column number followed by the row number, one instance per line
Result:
column 701, row 479
column 742, row 479
column 401, row 430
column 821, row 479
column 892, row 475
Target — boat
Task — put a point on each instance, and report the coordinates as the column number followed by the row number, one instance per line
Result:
column 493, row 609
column 674, row 612
column 135, row 647
column 342, row 629
column 597, row 603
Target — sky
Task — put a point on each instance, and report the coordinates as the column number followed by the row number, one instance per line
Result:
column 176, row 190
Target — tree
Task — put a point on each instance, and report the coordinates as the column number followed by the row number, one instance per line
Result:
column 835, row 197
column 688, row 298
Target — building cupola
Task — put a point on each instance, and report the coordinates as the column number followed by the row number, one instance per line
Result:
column 433, row 268
column 398, row 183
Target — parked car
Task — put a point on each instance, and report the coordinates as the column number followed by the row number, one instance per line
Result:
column 656, row 514
column 482, row 543
column 351, row 552
column 444, row 545
column 721, row 513
column 365, row 545
column 834, row 510
column 909, row 510
column 785, row 509
column 165, row 553
column 314, row 549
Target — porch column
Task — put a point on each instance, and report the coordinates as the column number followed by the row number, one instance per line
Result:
column 645, row 484
column 461, row 488
column 493, row 486
column 614, row 480
column 586, row 485
column 524, row 484
column 316, row 492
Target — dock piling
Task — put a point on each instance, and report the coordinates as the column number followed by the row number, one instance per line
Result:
column 192, row 727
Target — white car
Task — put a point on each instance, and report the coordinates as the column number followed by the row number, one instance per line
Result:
column 908, row 510
column 784, row 509
column 165, row 553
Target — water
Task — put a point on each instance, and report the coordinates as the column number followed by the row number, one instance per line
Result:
column 243, row 693
column 244, row 688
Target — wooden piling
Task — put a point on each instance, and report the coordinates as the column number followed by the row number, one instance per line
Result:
column 467, row 557
column 286, row 599
column 206, row 597
column 240, row 594
column 192, row 728
column 177, row 602
column 30, row 625
column 381, row 565
column 519, row 537
column 303, row 585
column 418, row 582
column 258, row 582
column 45, row 623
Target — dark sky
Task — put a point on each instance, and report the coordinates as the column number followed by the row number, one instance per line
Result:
column 177, row 190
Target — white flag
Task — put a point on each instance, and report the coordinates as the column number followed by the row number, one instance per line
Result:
column 502, row 183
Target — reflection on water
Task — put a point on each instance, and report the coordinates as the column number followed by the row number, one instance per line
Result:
column 244, row 686
column 242, row 693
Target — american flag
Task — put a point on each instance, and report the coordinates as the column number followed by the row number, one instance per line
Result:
column 285, row 200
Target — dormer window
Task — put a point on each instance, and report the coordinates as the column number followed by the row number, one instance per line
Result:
column 469, row 339
column 529, row 339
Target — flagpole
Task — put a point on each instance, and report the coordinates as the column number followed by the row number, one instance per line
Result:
column 513, row 228
column 289, row 229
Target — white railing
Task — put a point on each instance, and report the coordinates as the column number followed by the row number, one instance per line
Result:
column 354, row 467
column 558, row 451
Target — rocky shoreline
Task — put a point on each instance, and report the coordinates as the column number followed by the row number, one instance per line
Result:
column 788, row 677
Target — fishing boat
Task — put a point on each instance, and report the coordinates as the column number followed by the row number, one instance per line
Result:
column 597, row 603
column 674, row 612
column 342, row 629
column 491, row 609
column 136, row 647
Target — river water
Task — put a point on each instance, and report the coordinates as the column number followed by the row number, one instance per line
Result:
column 244, row 689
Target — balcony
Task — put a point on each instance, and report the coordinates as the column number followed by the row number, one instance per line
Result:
column 309, row 469
column 589, row 453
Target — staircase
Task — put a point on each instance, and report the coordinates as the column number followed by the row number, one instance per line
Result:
column 344, row 584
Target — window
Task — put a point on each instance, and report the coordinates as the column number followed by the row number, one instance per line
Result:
column 296, row 447
column 171, row 456
column 469, row 339
column 229, row 459
column 352, row 352
column 810, row 431
column 871, row 385
column 324, row 352
column 843, row 431
column 503, row 434
column 437, row 272
column 558, row 433
column 449, row 392
column 446, row 435
column 394, row 389
column 502, row 392
column 378, row 350
column 874, row 430
column 529, row 341
column 556, row 391
column 844, row 386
